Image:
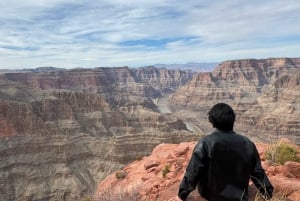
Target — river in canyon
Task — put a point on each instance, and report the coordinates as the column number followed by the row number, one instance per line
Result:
column 164, row 106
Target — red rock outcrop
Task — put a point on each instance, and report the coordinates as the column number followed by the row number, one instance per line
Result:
column 157, row 177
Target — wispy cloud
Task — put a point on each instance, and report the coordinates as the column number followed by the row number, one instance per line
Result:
column 86, row 33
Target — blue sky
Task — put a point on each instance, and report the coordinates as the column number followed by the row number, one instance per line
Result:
column 69, row 34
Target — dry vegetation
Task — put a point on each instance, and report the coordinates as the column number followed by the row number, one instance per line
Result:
column 277, row 197
column 120, row 174
column 278, row 153
column 165, row 171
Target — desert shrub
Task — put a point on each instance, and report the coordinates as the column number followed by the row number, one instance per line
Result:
column 120, row 174
column 165, row 171
column 138, row 158
column 279, row 153
column 280, row 196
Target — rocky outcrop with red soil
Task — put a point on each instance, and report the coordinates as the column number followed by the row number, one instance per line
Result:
column 157, row 177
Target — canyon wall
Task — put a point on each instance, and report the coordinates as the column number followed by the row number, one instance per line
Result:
column 147, row 81
column 263, row 92
column 61, row 132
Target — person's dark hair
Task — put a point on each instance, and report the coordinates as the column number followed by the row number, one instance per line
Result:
column 222, row 117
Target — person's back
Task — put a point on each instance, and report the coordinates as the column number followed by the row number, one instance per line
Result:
column 231, row 159
column 223, row 162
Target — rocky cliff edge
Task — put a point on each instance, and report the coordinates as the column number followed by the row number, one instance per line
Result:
column 157, row 177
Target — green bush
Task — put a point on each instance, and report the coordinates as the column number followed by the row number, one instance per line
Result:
column 120, row 174
column 280, row 153
column 166, row 170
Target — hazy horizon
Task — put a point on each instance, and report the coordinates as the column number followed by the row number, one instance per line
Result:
column 68, row 34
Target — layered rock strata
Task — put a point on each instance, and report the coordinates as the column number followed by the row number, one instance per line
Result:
column 146, row 82
column 61, row 132
column 263, row 92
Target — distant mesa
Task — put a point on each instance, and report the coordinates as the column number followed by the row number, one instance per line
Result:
column 45, row 69
column 197, row 67
column 28, row 70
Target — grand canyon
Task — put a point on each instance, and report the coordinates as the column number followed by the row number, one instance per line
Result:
column 63, row 131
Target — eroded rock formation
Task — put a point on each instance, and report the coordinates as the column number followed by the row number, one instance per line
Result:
column 147, row 179
column 263, row 92
column 63, row 131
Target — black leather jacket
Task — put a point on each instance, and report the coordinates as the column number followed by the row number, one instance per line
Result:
column 221, row 165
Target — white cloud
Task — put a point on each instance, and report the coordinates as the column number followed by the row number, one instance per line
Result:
column 67, row 33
